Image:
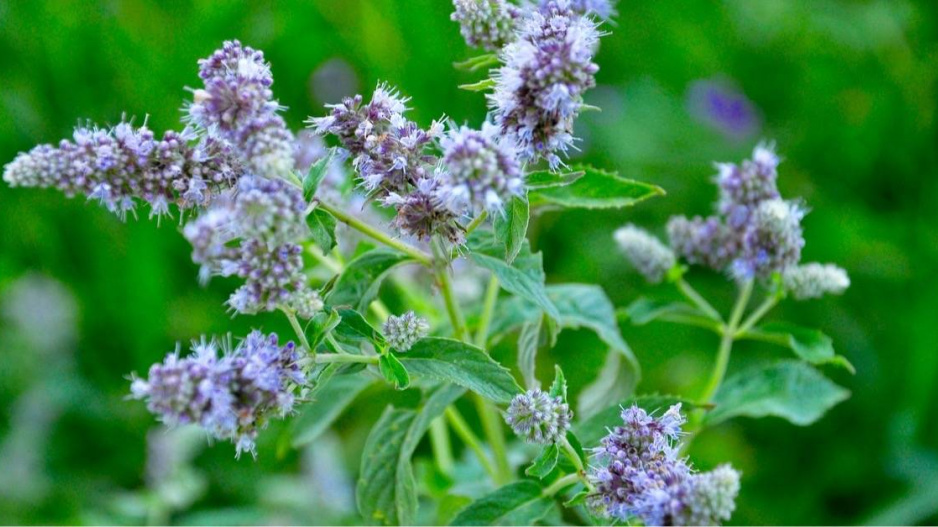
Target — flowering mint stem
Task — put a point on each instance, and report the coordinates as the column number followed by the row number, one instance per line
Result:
column 574, row 458
column 377, row 235
column 464, row 431
column 726, row 343
column 440, row 268
column 561, row 484
column 488, row 308
column 298, row 329
column 442, row 449
column 325, row 358
column 695, row 297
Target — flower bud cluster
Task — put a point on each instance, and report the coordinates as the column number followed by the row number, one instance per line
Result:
column 755, row 233
column 650, row 257
column 403, row 331
column 638, row 474
column 815, row 280
column 486, row 24
column 539, row 88
column 124, row 163
column 231, row 395
column 237, row 106
column 538, row 418
column 604, row 9
column 482, row 171
column 255, row 235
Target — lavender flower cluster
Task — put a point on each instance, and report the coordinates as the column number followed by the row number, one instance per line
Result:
column 121, row 164
column 486, row 24
column 639, row 474
column 232, row 395
column 403, row 331
column 539, row 418
column 539, row 89
column 237, row 106
column 754, row 233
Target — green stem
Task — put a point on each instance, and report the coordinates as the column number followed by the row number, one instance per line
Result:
column 442, row 449
column 325, row 358
column 298, row 329
column 464, row 431
column 698, row 300
column 377, row 235
column 492, row 425
column 574, row 458
column 560, row 484
column 474, row 224
column 446, row 289
column 757, row 315
column 488, row 309
column 726, row 344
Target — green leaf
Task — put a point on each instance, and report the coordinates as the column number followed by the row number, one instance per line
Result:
column 477, row 63
column 592, row 430
column 524, row 277
column 352, row 326
column 359, row 283
column 559, row 387
column 548, row 179
column 644, row 310
column 321, row 324
column 528, row 343
column 792, row 390
column 519, row 503
column 387, row 491
column 322, row 229
column 809, row 344
column 463, row 364
column 542, row 466
column 394, row 372
column 578, row 499
column 329, row 399
column 511, row 226
column 317, row 171
column 597, row 189
column 482, row 85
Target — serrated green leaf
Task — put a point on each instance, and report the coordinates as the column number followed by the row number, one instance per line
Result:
column 387, row 491
column 477, row 63
column 394, row 372
column 482, row 85
column 321, row 324
column 518, row 503
column 792, row 390
column 597, row 189
column 511, row 226
column 644, row 310
column 543, row 464
column 559, row 387
column 314, row 176
column 548, row 179
column 463, row 364
column 328, row 400
column 352, row 326
column 524, row 277
column 359, row 283
column 592, row 430
column 528, row 343
column 809, row 344
column 322, row 229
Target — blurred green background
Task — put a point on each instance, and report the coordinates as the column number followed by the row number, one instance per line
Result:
column 847, row 89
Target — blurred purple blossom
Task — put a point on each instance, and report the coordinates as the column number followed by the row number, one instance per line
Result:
column 719, row 104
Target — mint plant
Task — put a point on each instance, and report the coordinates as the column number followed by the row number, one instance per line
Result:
column 271, row 207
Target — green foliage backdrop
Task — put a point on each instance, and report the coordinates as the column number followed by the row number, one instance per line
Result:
column 848, row 89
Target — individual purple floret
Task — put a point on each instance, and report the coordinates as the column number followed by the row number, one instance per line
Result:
column 118, row 165
column 539, row 89
column 237, row 106
column 481, row 172
column 538, row 418
column 772, row 241
column 232, row 395
column 639, row 474
column 703, row 241
column 723, row 107
column 486, row 24
column 604, row 9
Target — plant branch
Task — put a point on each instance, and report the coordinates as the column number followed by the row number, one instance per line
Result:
column 687, row 290
column 560, row 484
column 442, row 449
column 464, row 431
column 757, row 315
column 474, row 224
column 488, row 309
column 377, row 235
column 726, row 343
